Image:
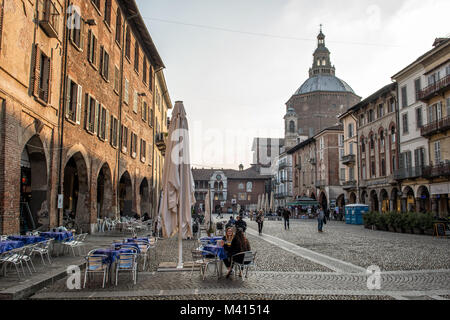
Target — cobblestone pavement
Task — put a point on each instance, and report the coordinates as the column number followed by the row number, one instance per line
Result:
column 363, row 247
column 284, row 274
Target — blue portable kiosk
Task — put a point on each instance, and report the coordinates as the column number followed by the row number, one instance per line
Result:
column 354, row 213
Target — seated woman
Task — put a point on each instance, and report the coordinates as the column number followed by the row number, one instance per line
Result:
column 226, row 243
column 239, row 244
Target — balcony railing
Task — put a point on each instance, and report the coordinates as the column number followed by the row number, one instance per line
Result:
column 408, row 173
column 348, row 159
column 435, row 127
column 349, row 185
column 49, row 18
column 320, row 184
column 282, row 165
column 286, row 179
column 435, row 88
column 282, row 195
column 440, row 170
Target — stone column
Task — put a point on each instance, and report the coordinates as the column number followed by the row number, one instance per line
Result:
column 434, row 204
column 418, row 204
column 404, row 204
column 392, row 205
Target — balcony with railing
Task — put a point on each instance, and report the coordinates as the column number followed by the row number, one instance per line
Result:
column 408, row 173
column 349, row 185
column 349, row 159
column 49, row 18
column 435, row 127
column 282, row 165
column 434, row 89
column 436, row 171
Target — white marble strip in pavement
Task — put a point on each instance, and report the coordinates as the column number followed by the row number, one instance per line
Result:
column 324, row 260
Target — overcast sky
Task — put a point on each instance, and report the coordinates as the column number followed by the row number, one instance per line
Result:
column 235, row 63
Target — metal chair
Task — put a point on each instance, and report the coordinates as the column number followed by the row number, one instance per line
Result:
column 210, row 258
column 95, row 263
column 13, row 257
column 77, row 243
column 245, row 260
column 26, row 257
column 43, row 248
column 198, row 260
column 127, row 262
column 144, row 247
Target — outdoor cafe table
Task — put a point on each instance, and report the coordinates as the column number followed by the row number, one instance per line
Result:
column 58, row 236
column 27, row 239
column 111, row 256
column 137, row 239
column 211, row 240
column 117, row 245
column 10, row 245
column 218, row 251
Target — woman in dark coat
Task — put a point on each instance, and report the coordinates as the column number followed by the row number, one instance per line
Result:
column 239, row 244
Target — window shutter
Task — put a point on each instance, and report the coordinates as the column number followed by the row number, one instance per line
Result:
column 68, row 100
column 101, row 60
column 97, row 113
column 89, row 47
column 135, row 102
column 79, row 101
column 107, row 119
column 416, row 158
column 1, row 23
column 87, row 105
column 81, row 33
column 401, row 160
column 36, row 70
column 48, row 93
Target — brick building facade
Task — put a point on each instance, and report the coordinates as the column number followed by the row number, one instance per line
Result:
column 77, row 113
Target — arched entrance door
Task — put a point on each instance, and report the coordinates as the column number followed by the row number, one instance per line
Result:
column 144, row 194
column 363, row 198
column 396, row 201
column 104, row 193
column 374, row 201
column 340, row 202
column 385, row 201
column 424, row 199
column 33, row 187
column 410, row 199
column 125, row 195
column 76, row 195
column 352, row 198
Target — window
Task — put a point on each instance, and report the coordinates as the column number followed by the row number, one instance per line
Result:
column 48, row 17
column 342, row 174
column 351, row 147
column 128, row 44
column 363, row 171
column 417, row 88
column 371, row 117
column 350, row 130
column 383, row 167
column 373, row 171
column 151, row 117
column 372, row 143
column 382, row 139
column 74, row 95
column 144, row 71
column 322, row 143
column 103, row 123
column 419, row 119
column 126, row 94
column 92, row 109
column 292, row 127
column 136, row 57
column 135, row 101
column 392, row 105
column 116, row 79
column 104, row 63
column 41, row 76
column 448, row 107
column 133, row 145
column 437, row 152
column 351, row 174
column 144, row 110
column 419, row 157
column 114, row 131
column 363, row 146
column 393, row 139
column 1, row 24
column 76, row 33
column 108, row 12
column 380, row 111
column 92, row 48
column 341, row 154
column 124, row 139
column 405, row 123
column 404, row 97
column 118, row 27
column 241, row 186
column 249, row 186
column 341, row 140
column 150, row 77
column 361, row 120
column 143, row 150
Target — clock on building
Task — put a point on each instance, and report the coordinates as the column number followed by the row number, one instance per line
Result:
column 219, row 177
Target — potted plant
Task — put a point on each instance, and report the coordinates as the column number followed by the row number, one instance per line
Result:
column 391, row 220
column 381, row 222
column 427, row 223
column 369, row 220
column 409, row 222
column 400, row 224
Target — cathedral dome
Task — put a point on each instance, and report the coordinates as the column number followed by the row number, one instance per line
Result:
column 322, row 82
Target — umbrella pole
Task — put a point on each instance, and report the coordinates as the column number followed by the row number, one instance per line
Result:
column 180, row 223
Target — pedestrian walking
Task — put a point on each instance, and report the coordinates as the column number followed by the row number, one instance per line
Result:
column 320, row 219
column 286, row 216
column 240, row 223
column 260, row 221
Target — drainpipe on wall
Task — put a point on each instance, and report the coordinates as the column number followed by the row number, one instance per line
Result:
column 62, row 112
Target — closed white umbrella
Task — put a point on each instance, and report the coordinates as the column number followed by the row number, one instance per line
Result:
column 178, row 182
column 266, row 203
column 272, row 199
column 258, row 207
column 208, row 208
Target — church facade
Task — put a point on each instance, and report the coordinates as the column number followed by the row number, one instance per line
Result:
column 316, row 105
